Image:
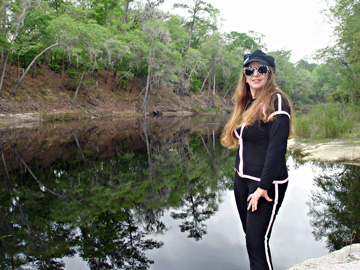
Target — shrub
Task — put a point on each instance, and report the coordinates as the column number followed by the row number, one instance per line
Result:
column 326, row 121
column 55, row 67
column 195, row 85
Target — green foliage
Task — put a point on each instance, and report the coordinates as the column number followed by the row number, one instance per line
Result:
column 325, row 83
column 241, row 43
column 303, row 126
column 195, row 85
column 71, row 81
column 294, row 80
column 141, row 39
column 55, row 67
column 345, row 54
column 326, row 121
column 4, row 43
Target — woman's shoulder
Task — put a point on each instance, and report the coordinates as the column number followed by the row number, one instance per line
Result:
column 281, row 101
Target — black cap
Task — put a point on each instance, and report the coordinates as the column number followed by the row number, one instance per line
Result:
column 259, row 56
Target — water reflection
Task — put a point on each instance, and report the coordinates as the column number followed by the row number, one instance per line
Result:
column 127, row 193
column 99, row 189
column 334, row 208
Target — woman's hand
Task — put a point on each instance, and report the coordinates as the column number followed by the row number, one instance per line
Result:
column 254, row 198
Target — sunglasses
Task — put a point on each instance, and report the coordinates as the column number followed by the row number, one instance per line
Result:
column 262, row 70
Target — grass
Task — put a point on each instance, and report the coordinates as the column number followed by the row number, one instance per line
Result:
column 198, row 109
column 64, row 116
column 328, row 121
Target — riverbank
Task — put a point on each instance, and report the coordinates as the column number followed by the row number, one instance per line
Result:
column 347, row 258
column 335, row 151
column 51, row 96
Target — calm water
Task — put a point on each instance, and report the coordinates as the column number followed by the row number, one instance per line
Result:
column 153, row 193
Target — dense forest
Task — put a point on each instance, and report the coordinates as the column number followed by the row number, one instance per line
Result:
column 183, row 54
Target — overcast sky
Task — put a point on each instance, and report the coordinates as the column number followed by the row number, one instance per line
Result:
column 298, row 26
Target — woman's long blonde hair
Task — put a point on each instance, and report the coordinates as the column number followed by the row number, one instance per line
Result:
column 261, row 108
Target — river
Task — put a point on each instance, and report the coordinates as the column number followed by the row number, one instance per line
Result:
column 153, row 193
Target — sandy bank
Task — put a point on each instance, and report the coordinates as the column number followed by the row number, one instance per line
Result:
column 334, row 151
column 347, row 258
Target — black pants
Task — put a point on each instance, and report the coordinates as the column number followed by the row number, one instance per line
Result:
column 258, row 225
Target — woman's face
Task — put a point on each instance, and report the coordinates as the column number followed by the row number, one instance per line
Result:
column 256, row 81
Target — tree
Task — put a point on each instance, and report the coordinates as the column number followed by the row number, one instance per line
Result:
column 240, row 43
column 296, row 82
column 13, row 15
column 195, row 19
column 346, row 15
column 326, row 82
column 84, row 41
column 160, row 56
column 196, row 10
column 30, row 65
column 214, row 52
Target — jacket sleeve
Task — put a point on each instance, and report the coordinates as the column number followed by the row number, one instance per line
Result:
column 278, row 136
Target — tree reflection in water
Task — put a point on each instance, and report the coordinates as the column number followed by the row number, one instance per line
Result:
column 99, row 189
column 334, row 208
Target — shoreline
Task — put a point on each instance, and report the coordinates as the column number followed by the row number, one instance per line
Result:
column 335, row 151
column 20, row 119
column 347, row 258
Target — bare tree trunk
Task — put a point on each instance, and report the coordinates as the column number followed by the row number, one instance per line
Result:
column 73, row 132
column 32, row 174
column 126, row 11
column 122, row 77
column 213, row 135
column 192, row 28
column 133, row 82
column 192, row 71
column 144, row 105
column 207, row 75
column 203, row 141
column 28, row 68
column 181, row 88
column 212, row 103
column 140, row 93
column 209, row 88
column 34, row 72
column 3, row 70
column 115, row 65
column 229, row 89
column 7, row 183
column 107, row 73
column 145, row 126
column 78, row 87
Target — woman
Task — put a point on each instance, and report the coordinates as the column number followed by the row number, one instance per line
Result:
column 260, row 125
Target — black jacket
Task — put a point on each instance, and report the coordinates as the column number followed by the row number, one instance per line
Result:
column 261, row 155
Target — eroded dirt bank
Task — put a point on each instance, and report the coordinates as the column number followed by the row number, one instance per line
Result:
column 51, row 95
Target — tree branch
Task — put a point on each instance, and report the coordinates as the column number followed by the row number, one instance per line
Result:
column 30, row 65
